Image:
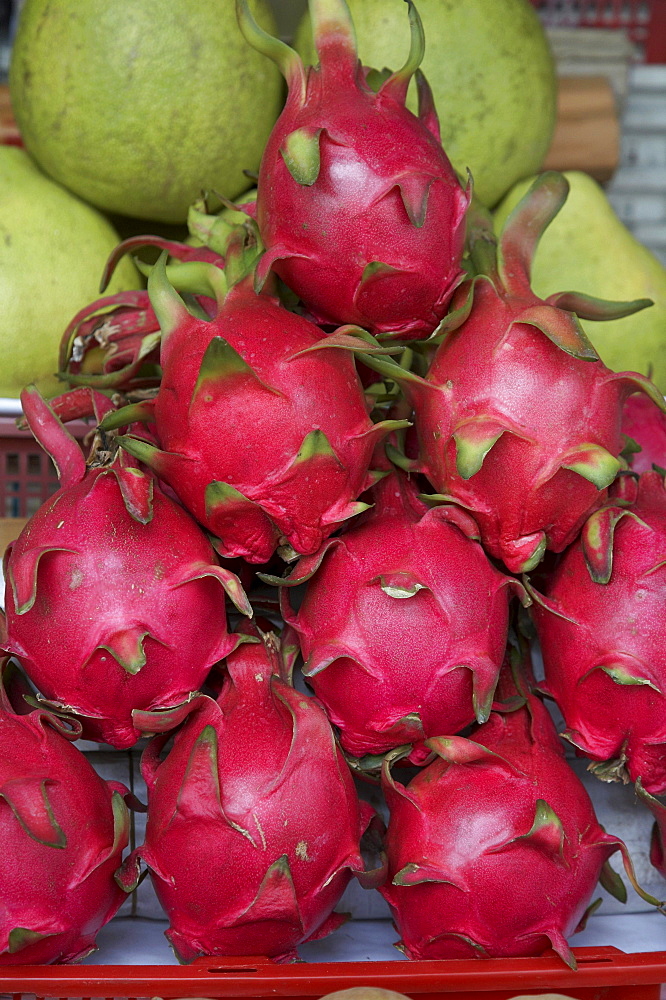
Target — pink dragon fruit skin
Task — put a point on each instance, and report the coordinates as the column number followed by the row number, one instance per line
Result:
column 645, row 424
column 115, row 603
column 403, row 625
column 358, row 206
column 254, row 823
column 601, row 626
column 264, row 427
column 518, row 419
column 63, row 830
column 494, row 849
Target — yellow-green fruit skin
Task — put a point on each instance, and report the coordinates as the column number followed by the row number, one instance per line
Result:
column 492, row 75
column 137, row 106
column 587, row 248
column 53, row 248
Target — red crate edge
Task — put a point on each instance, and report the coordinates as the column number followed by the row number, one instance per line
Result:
column 621, row 975
column 644, row 21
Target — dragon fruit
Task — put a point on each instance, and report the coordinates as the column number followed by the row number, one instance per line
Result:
column 600, row 622
column 63, row 831
column 518, row 419
column 658, row 841
column 403, row 624
column 254, row 824
column 494, row 849
column 645, row 424
column 113, row 343
column 262, row 420
column 115, row 602
column 359, row 208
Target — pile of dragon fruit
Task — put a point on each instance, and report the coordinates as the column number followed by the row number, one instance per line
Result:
column 337, row 429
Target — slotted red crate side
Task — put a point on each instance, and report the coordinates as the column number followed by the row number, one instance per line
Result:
column 602, row 974
column 643, row 20
column 27, row 475
column 655, row 49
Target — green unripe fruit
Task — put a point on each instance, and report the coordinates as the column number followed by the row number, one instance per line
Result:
column 136, row 106
column 53, row 248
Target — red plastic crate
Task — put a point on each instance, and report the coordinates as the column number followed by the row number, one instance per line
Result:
column 27, row 475
column 643, row 20
column 603, row 974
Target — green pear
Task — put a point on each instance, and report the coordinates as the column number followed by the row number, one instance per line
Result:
column 587, row 248
column 138, row 106
column 492, row 76
column 53, row 248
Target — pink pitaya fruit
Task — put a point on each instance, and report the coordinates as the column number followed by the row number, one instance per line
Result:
column 600, row 622
column 518, row 419
column 254, row 823
column 494, row 849
column 359, row 208
column 63, row 830
column 115, row 602
column 403, row 625
column 262, row 420
column 658, row 840
column 645, row 424
column 113, row 343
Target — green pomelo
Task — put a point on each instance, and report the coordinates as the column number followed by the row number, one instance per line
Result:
column 492, row 75
column 53, row 248
column 588, row 249
column 136, row 106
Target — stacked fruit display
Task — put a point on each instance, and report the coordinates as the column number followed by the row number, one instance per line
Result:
column 273, row 416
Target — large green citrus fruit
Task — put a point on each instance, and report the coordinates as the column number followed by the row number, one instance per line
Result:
column 53, row 248
column 136, row 106
column 492, row 75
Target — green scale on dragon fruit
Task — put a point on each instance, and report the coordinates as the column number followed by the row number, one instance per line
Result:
column 358, row 206
column 403, row 624
column 600, row 621
column 254, row 823
column 264, row 427
column 115, row 600
column 63, row 830
column 502, row 808
column 518, row 420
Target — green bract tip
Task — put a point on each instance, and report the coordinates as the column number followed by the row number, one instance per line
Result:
column 288, row 61
column 397, row 84
column 525, row 226
column 167, row 304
